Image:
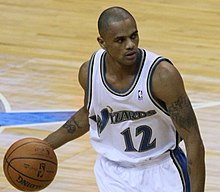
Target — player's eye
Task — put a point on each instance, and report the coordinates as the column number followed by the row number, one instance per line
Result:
column 134, row 35
column 119, row 40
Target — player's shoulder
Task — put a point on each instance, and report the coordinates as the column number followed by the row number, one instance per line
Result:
column 84, row 68
column 83, row 74
column 167, row 82
column 165, row 71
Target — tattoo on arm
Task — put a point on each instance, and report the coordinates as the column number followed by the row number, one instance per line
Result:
column 71, row 125
column 182, row 113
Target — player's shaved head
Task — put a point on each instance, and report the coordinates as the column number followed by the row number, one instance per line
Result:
column 112, row 14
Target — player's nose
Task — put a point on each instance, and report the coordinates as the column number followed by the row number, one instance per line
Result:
column 130, row 44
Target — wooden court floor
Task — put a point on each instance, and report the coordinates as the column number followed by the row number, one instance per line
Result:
column 43, row 43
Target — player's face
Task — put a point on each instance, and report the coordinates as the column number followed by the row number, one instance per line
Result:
column 121, row 42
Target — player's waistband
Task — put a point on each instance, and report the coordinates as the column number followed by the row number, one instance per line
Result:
column 146, row 162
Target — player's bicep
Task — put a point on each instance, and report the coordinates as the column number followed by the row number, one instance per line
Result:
column 168, row 87
column 183, row 116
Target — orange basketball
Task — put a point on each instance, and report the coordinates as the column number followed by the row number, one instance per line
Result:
column 30, row 164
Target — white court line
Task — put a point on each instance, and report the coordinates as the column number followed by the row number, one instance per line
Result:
column 205, row 105
column 5, row 103
column 46, row 110
column 30, row 126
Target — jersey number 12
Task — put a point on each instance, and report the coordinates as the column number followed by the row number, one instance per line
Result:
column 145, row 143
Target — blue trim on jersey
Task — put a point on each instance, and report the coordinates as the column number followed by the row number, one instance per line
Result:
column 89, row 81
column 180, row 161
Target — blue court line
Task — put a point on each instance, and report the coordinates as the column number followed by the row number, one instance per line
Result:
column 38, row 117
column 22, row 118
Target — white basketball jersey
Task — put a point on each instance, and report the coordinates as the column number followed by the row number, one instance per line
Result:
column 131, row 125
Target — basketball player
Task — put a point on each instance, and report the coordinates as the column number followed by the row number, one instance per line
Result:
column 137, row 112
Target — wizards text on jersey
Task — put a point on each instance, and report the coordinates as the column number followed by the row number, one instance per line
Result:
column 107, row 115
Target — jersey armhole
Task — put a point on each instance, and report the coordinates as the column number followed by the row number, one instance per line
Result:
column 157, row 102
column 89, row 81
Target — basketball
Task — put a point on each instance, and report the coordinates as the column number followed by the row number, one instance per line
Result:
column 30, row 164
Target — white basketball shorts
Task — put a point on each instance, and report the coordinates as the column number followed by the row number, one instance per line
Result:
column 165, row 174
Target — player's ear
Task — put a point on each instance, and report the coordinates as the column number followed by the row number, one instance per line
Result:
column 101, row 42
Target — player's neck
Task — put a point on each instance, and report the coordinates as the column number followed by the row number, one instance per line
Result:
column 120, row 70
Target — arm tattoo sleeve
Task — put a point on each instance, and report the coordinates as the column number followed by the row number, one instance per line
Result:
column 71, row 125
column 182, row 113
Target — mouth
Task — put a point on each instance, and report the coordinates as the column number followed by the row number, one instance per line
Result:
column 131, row 55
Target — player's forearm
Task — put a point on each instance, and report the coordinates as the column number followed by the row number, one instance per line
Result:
column 75, row 127
column 55, row 140
column 196, row 164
